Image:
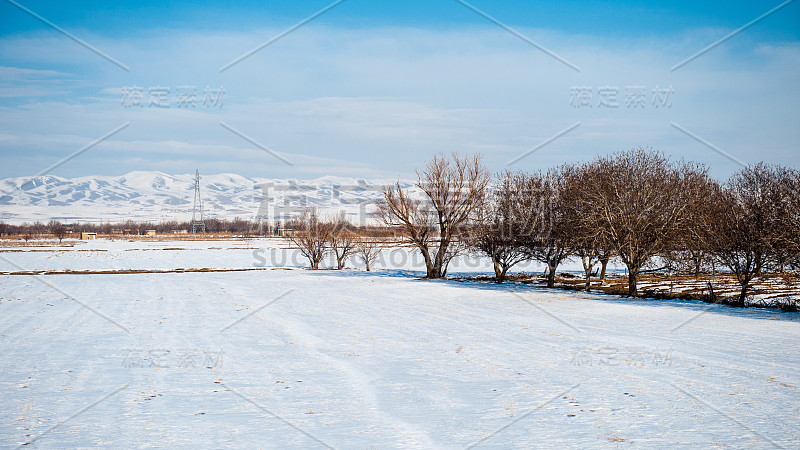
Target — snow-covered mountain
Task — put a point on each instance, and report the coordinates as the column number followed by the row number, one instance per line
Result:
column 156, row 196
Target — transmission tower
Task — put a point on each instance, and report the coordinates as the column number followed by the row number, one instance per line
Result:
column 197, row 212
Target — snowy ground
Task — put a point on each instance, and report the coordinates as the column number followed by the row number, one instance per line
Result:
column 120, row 254
column 349, row 359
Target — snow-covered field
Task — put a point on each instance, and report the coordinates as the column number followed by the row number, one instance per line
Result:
column 122, row 254
column 287, row 358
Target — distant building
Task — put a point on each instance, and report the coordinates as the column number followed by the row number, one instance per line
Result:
column 150, row 232
column 180, row 231
column 283, row 232
column 88, row 235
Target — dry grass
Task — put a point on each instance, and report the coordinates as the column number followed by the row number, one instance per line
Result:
column 774, row 290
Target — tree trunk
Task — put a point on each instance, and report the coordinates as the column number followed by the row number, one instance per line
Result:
column 499, row 273
column 428, row 263
column 438, row 262
column 587, row 270
column 743, row 294
column 436, row 269
column 633, row 275
column 711, row 295
column 551, row 275
column 603, row 265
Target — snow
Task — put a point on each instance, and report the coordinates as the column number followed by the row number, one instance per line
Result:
column 156, row 196
column 292, row 358
column 122, row 254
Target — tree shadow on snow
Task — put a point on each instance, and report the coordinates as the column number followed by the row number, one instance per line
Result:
column 459, row 281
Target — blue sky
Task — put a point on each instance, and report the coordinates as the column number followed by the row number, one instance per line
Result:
column 374, row 88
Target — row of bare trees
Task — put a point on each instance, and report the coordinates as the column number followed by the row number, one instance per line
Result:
column 756, row 223
column 638, row 206
column 317, row 237
column 56, row 227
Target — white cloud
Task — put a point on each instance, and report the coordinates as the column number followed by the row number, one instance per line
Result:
column 381, row 101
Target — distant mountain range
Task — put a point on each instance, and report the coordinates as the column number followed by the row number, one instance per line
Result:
column 156, row 196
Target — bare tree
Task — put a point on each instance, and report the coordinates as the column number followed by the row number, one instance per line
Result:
column 787, row 245
column 58, row 230
column 311, row 235
column 453, row 190
column 341, row 239
column 588, row 242
column 689, row 252
column 641, row 202
column 368, row 250
column 500, row 230
column 755, row 222
column 551, row 238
